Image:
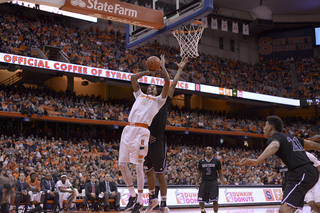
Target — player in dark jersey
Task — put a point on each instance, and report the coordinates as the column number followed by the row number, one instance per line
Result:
column 302, row 175
column 208, row 169
column 155, row 161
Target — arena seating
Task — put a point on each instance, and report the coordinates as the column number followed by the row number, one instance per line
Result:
column 61, row 104
column 106, row 49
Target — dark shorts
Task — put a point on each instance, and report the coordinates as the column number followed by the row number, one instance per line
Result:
column 298, row 183
column 208, row 191
column 283, row 184
column 157, row 155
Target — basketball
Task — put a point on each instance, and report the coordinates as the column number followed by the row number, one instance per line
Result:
column 153, row 63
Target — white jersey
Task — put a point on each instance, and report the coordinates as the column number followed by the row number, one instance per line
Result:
column 315, row 161
column 314, row 193
column 64, row 186
column 145, row 107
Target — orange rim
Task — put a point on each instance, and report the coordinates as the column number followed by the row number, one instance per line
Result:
column 193, row 31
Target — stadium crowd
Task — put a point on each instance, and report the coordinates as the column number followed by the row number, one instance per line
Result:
column 48, row 102
column 308, row 75
column 78, row 160
column 106, row 49
column 42, row 159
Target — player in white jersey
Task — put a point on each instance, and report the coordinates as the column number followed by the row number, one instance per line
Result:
column 66, row 192
column 313, row 195
column 135, row 136
column 35, row 193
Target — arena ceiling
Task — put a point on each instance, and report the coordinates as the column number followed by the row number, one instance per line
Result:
column 276, row 6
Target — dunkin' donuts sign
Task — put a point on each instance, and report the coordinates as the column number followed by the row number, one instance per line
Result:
column 239, row 196
column 231, row 196
column 117, row 11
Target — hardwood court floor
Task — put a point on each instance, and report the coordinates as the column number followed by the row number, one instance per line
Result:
column 239, row 209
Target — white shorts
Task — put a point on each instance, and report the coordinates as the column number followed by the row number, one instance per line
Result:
column 35, row 197
column 314, row 193
column 64, row 196
column 132, row 138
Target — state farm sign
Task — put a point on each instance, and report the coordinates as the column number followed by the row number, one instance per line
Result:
column 117, row 11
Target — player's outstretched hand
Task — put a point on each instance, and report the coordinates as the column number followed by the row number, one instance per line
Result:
column 182, row 63
column 152, row 139
column 248, row 162
column 197, row 185
column 163, row 61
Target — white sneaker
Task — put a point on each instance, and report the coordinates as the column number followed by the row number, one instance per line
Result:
column 164, row 210
column 152, row 203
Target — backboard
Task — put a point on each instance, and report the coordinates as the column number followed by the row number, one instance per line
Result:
column 177, row 13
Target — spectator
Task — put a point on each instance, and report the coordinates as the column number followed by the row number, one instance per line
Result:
column 110, row 192
column 93, row 194
column 77, row 185
column 22, row 189
column 48, row 186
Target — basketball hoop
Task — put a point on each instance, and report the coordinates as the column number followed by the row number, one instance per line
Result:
column 188, row 38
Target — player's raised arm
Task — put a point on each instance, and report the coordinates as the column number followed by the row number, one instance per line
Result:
column 165, row 88
column 176, row 78
column 135, row 78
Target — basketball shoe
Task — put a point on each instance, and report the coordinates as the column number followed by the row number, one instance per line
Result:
column 131, row 202
column 152, row 203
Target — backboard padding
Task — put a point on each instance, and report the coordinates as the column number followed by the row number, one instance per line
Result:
column 183, row 16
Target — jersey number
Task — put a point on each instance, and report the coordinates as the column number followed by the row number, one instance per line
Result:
column 208, row 171
column 295, row 143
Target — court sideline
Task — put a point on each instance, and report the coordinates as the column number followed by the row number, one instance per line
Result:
column 237, row 209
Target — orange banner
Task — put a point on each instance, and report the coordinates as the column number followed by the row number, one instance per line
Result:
column 117, row 11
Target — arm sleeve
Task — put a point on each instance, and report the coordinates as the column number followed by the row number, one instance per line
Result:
column 101, row 187
column 137, row 94
column 161, row 101
column 271, row 139
column 16, row 187
column 28, row 188
column 42, row 186
column 87, row 189
column 57, row 185
column 315, row 161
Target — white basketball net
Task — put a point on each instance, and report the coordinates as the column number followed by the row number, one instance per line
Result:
column 188, row 38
